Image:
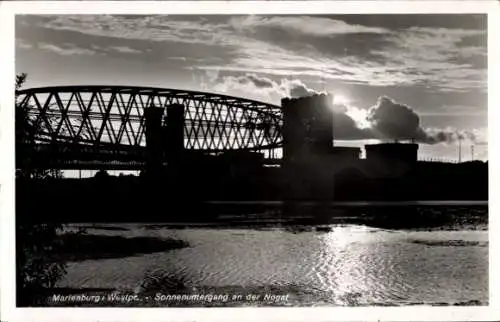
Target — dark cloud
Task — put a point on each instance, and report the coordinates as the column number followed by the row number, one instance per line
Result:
column 402, row 21
column 285, row 88
column 394, row 121
column 258, row 81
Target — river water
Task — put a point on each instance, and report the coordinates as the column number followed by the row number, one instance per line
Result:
column 341, row 265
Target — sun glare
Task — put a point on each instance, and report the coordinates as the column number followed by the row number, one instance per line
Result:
column 359, row 115
column 341, row 100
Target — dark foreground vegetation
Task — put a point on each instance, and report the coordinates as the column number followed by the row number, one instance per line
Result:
column 41, row 267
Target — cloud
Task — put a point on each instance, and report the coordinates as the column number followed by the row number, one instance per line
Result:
column 67, row 50
column 152, row 28
column 296, row 88
column 261, row 82
column 440, row 59
column 125, row 50
column 394, row 121
column 307, row 25
column 458, row 109
column 432, row 57
column 391, row 120
column 346, row 128
column 402, row 63
column 23, row 44
column 178, row 58
column 252, row 83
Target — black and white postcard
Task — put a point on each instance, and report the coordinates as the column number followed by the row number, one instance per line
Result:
column 249, row 155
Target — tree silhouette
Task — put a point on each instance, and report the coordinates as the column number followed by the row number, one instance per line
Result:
column 36, row 244
column 26, row 130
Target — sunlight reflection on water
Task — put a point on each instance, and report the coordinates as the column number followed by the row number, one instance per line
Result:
column 350, row 265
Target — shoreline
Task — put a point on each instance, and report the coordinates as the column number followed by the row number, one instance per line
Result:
column 269, row 225
column 397, row 218
column 361, row 203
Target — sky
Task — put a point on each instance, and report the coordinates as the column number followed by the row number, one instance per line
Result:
column 392, row 76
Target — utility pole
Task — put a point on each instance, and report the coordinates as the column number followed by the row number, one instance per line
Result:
column 472, row 152
column 460, row 150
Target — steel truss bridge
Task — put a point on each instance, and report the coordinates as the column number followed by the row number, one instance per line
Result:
column 104, row 126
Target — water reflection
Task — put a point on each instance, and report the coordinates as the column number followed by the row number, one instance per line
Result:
column 338, row 265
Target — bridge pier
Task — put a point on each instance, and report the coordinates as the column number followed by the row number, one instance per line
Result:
column 154, row 137
column 164, row 141
column 174, row 135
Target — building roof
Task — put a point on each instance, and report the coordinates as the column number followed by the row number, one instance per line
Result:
column 390, row 145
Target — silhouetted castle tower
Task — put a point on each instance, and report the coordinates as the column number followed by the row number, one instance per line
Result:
column 307, row 144
column 307, row 127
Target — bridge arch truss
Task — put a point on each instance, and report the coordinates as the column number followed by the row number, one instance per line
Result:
column 113, row 117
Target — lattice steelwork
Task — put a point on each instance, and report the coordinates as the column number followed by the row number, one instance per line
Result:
column 112, row 116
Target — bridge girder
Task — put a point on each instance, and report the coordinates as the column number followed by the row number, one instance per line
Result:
column 113, row 116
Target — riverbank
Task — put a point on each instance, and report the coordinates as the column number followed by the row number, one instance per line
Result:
column 311, row 216
column 396, row 215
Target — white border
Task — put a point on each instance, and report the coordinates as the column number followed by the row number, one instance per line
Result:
column 10, row 313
